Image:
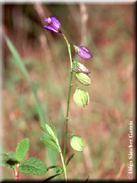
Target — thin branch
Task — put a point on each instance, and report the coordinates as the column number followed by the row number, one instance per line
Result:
column 120, row 171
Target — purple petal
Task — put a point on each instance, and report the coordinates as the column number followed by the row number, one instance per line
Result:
column 50, row 28
column 84, row 71
column 55, row 21
column 84, row 48
column 83, row 52
column 46, row 19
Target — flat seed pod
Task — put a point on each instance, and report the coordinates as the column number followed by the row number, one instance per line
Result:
column 81, row 97
column 77, row 143
column 83, row 78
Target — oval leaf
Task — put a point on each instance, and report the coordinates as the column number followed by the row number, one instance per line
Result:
column 3, row 159
column 33, row 166
column 12, row 155
column 8, row 160
column 22, row 149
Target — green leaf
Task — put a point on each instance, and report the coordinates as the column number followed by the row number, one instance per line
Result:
column 8, row 160
column 50, row 132
column 22, row 149
column 3, row 159
column 12, row 155
column 33, row 166
column 45, row 130
column 50, row 167
column 52, row 126
column 49, row 143
column 69, row 158
column 9, row 163
column 51, row 177
column 87, row 179
column 60, row 169
column 46, row 135
column 54, row 166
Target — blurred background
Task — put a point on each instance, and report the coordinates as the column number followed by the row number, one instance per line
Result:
column 107, row 30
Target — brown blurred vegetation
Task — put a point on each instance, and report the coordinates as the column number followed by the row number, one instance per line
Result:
column 108, row 32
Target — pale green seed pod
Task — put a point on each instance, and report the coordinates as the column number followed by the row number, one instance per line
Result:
column 81, row 67
column 77, row 143
column 83, row 78
column 81, row 97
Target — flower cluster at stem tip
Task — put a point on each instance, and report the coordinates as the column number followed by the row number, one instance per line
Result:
column 54, row 26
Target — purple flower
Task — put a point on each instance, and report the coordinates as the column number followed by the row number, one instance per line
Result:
column 53, row 24
column 83, row 52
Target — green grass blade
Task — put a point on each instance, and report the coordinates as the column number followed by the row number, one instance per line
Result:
column 17, row 58
column 19, row 63
column 51, row 177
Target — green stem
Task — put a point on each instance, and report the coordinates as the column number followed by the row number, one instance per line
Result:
column 63, row 162
column 64, row 166
column 70, row 85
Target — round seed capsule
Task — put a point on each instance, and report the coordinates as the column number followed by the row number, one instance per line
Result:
column 81, row 97
column 83, row 78
column 77, row 143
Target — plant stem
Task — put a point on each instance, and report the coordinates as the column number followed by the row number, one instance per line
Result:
column 16, row 173
column 70, row 85
column 63, row 161
column 64, row 166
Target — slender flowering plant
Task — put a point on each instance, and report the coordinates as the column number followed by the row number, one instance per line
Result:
column 35, row 166
column 80, row 96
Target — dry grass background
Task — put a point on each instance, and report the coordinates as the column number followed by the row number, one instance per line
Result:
column 108, row 32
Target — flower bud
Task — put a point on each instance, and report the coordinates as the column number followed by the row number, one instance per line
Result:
column 83, row 78
column 77, row 143
column 83, row 52
column 81, row 67
column 81, row 97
